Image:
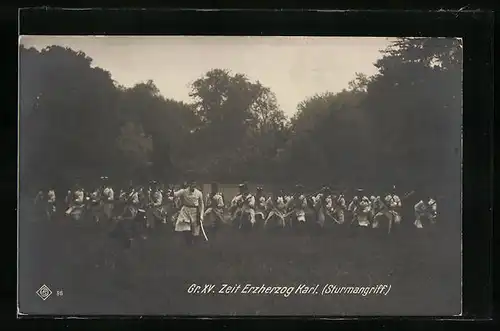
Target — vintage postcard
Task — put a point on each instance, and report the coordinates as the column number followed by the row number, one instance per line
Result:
column 240, row 176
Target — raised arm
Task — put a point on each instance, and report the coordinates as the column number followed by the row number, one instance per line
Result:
column 178, row 193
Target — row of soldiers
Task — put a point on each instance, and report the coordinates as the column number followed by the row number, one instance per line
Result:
column 186, row 207
column 102, row 203
column 326, row 206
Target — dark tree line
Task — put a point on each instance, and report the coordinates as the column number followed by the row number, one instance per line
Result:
column 401, row 126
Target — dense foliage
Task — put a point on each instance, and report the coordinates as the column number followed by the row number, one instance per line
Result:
column 401, row 126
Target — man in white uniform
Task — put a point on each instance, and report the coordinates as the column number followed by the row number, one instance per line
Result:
column 191, row 213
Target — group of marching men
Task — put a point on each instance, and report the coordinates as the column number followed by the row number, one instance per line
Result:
column 190, row 211
column 325, row 207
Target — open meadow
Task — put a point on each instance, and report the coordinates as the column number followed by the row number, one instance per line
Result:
column 153, row 277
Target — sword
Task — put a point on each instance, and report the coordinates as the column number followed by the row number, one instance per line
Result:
column 200, row 219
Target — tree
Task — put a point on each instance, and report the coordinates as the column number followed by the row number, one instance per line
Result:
column 327, row 128
column 62, row 99
column 414, row 107
column 167, row 122
column 240, row 120
column 401, row 125
column 136, row 147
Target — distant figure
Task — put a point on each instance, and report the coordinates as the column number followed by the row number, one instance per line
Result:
column 214, row 214
column 382, row 212
column 297, row 206
column 47, row 203
column 276, row 208
column 260, row 206
column 394, row 203
column 95, row 205
column 323, row 206
column 353, row 208
column 155, row 212
column 243, row 206
column 340, row 207
column 425, row 210
column 364, row 212
column 108, row 197
column 77, row 204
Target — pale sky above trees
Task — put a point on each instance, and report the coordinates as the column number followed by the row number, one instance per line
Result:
column 293, row 67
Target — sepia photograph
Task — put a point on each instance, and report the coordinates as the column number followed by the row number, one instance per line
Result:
column 240, row 176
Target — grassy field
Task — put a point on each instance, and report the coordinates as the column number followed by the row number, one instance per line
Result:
column 423, row 269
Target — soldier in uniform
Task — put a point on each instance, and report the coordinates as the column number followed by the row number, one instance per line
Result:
column 340, row 207
column 126, row 224
column 155, row 212
column 108, row 197
column 323, row 205
column 277, row 208
column 425, row 210
column 95, row 204
column 296, row 207
column 260, row 206
column 133, row 202
column 51, row 204
column 334, row 208
column 364, row 212
column 243, row 206
column 77, row 204
column 394, row 203
column 374, row 203
column 214, row 214
column 122, row 195
column 381, row 211
column 353, row 208
column 190, row 218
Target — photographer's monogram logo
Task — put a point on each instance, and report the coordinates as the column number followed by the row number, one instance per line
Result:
column 44, row 292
